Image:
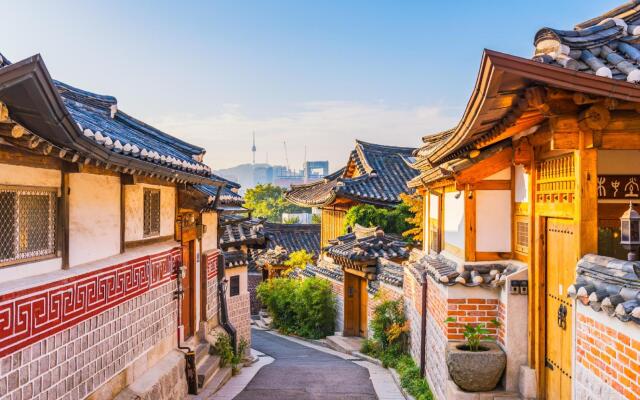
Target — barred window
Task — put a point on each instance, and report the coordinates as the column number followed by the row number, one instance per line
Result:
column 234, row 285
column 27, row 223
column 151, row 212
column 522, row 236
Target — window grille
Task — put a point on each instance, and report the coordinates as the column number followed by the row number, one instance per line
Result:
column 151, row 212
column 234, row 285
column 522, row 237
column 27, row 223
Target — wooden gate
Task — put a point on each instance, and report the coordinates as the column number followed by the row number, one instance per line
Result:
column 560, row 274
column 355, row 305
column 188, row 286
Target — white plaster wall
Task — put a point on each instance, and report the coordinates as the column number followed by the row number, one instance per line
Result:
column 19, row 271
column 522, row 184
column 29, row 176
column 454, row 219
column 198, row 272
column 493, row 220
column 210, row 238
column 505, row 174
column 134, row 206
column 242, row 271
column 94, row 217
column 618, row 162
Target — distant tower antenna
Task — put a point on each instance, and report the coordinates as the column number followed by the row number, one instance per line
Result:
column 286, row 155
column 253, row 148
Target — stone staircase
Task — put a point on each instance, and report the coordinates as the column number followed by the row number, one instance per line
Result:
column 344, row 344
column 208, row 369
column 264, row 320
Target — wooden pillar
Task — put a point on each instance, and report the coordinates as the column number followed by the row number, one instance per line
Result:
column 586, row 200
column 470, row 225
column 64, row 214
column 533, row 257
column 122, row 213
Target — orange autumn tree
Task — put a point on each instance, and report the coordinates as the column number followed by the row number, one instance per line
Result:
column 414, row 203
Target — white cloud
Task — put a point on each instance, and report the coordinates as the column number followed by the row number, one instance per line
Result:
column 328, row 129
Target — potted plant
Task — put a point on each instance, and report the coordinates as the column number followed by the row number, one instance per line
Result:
column 477, row 364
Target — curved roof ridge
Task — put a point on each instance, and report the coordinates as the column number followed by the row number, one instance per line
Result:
column 624, row 11
column 376, row 146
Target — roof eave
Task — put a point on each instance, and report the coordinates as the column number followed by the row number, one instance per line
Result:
column 493, row 66
column 34, row 102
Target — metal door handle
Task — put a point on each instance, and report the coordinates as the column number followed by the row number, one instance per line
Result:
column 562, row 316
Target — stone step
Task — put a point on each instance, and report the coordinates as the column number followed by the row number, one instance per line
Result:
column 207, row 369
column 202, row 351
column 219, row 379
column 344, row 344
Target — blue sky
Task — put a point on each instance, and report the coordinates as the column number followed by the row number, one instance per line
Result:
column 316, row 74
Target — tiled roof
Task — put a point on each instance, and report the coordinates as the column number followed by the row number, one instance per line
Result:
column 390, row 272
column 235, row 258
column 284, row 239
column 227, row 197
column 448, row 272
column 243, row 231
column 608, row 45
column 101, row 125
column 352, row 248
column 375, row 174
column 609, row 285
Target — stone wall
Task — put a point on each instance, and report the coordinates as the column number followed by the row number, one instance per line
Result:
column 254, row 279
column 239, row 315
column 86, row 330
column 436, row 338
column 607, row 356
column 413, row 310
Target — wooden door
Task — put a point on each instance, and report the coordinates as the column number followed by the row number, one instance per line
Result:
column 188, row 286
column 351, row 305
column 560, row 274
column 363, row 308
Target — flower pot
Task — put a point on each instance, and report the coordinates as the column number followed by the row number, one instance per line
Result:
column 476, row 371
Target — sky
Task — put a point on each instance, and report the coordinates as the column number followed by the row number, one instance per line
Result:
column 313, row 74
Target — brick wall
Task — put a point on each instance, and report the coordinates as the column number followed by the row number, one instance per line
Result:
column 413, row 308
column 471, row 311
column 607, row 357
column 502, row 318
column 239, row 315
column 436, row 338
column 254, row 280
column 64, row 339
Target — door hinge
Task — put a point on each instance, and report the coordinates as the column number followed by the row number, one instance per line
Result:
column 548, row 364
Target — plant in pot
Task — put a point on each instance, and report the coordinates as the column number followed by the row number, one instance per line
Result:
column 477, row 364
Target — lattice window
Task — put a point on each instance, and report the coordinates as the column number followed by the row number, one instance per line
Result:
column 27, row 223
column 151, row 212
column 522, row 236
column 234, row 285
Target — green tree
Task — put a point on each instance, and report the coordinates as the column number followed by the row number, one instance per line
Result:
column 390, row 220
column 267, row 201
column 316, row 219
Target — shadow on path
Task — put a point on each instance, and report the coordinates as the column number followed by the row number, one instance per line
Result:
column 300, row 373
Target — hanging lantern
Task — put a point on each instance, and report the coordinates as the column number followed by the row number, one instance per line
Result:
column 630, row 232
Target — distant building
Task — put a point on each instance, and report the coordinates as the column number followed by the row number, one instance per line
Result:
column 250, row 175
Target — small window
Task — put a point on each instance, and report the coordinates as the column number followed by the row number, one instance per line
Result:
column 27, row 223
column 151, row 212
column 234, row 285
column 522, row 236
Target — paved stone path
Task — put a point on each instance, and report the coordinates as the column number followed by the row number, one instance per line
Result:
column 300, row 372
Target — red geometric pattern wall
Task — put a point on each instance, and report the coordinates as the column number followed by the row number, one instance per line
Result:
column 211, row 261
column 29, row 315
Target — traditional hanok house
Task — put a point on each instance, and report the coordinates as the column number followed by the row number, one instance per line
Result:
column 375, row 174
column 281, row 241
column 359, row 265
column 534, row 178
column 98, row 262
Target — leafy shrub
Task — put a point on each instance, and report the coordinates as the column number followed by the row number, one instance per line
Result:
column 370, row 347
column 390, row 220
column 306, row 307
column 390, row 326
column 223, row 348
column 299, row 259
column 315, row 308
column 237, row 358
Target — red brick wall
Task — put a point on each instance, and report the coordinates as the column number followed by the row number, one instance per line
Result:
column 471, row 311
column 437, row 304
column 502, row 317
column 611, row 355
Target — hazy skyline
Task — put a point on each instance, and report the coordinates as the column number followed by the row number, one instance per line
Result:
column 319, row 74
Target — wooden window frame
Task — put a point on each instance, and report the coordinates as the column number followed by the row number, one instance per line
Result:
column 147, row 231
column 54, row 220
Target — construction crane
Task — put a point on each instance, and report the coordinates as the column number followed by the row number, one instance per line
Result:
column 286, row 155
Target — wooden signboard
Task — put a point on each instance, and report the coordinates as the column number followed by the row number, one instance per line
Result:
column 619, row 187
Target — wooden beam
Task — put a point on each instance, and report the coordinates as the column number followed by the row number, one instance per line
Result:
column 486, row 167
column 64, row 215
column 17, row 156
column 122, row 212
column 486, row 185
column 586, row 209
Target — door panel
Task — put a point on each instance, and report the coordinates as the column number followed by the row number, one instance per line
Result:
column 187, row 311
column 363, row 307
column 351, row 305
column 559, row 275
